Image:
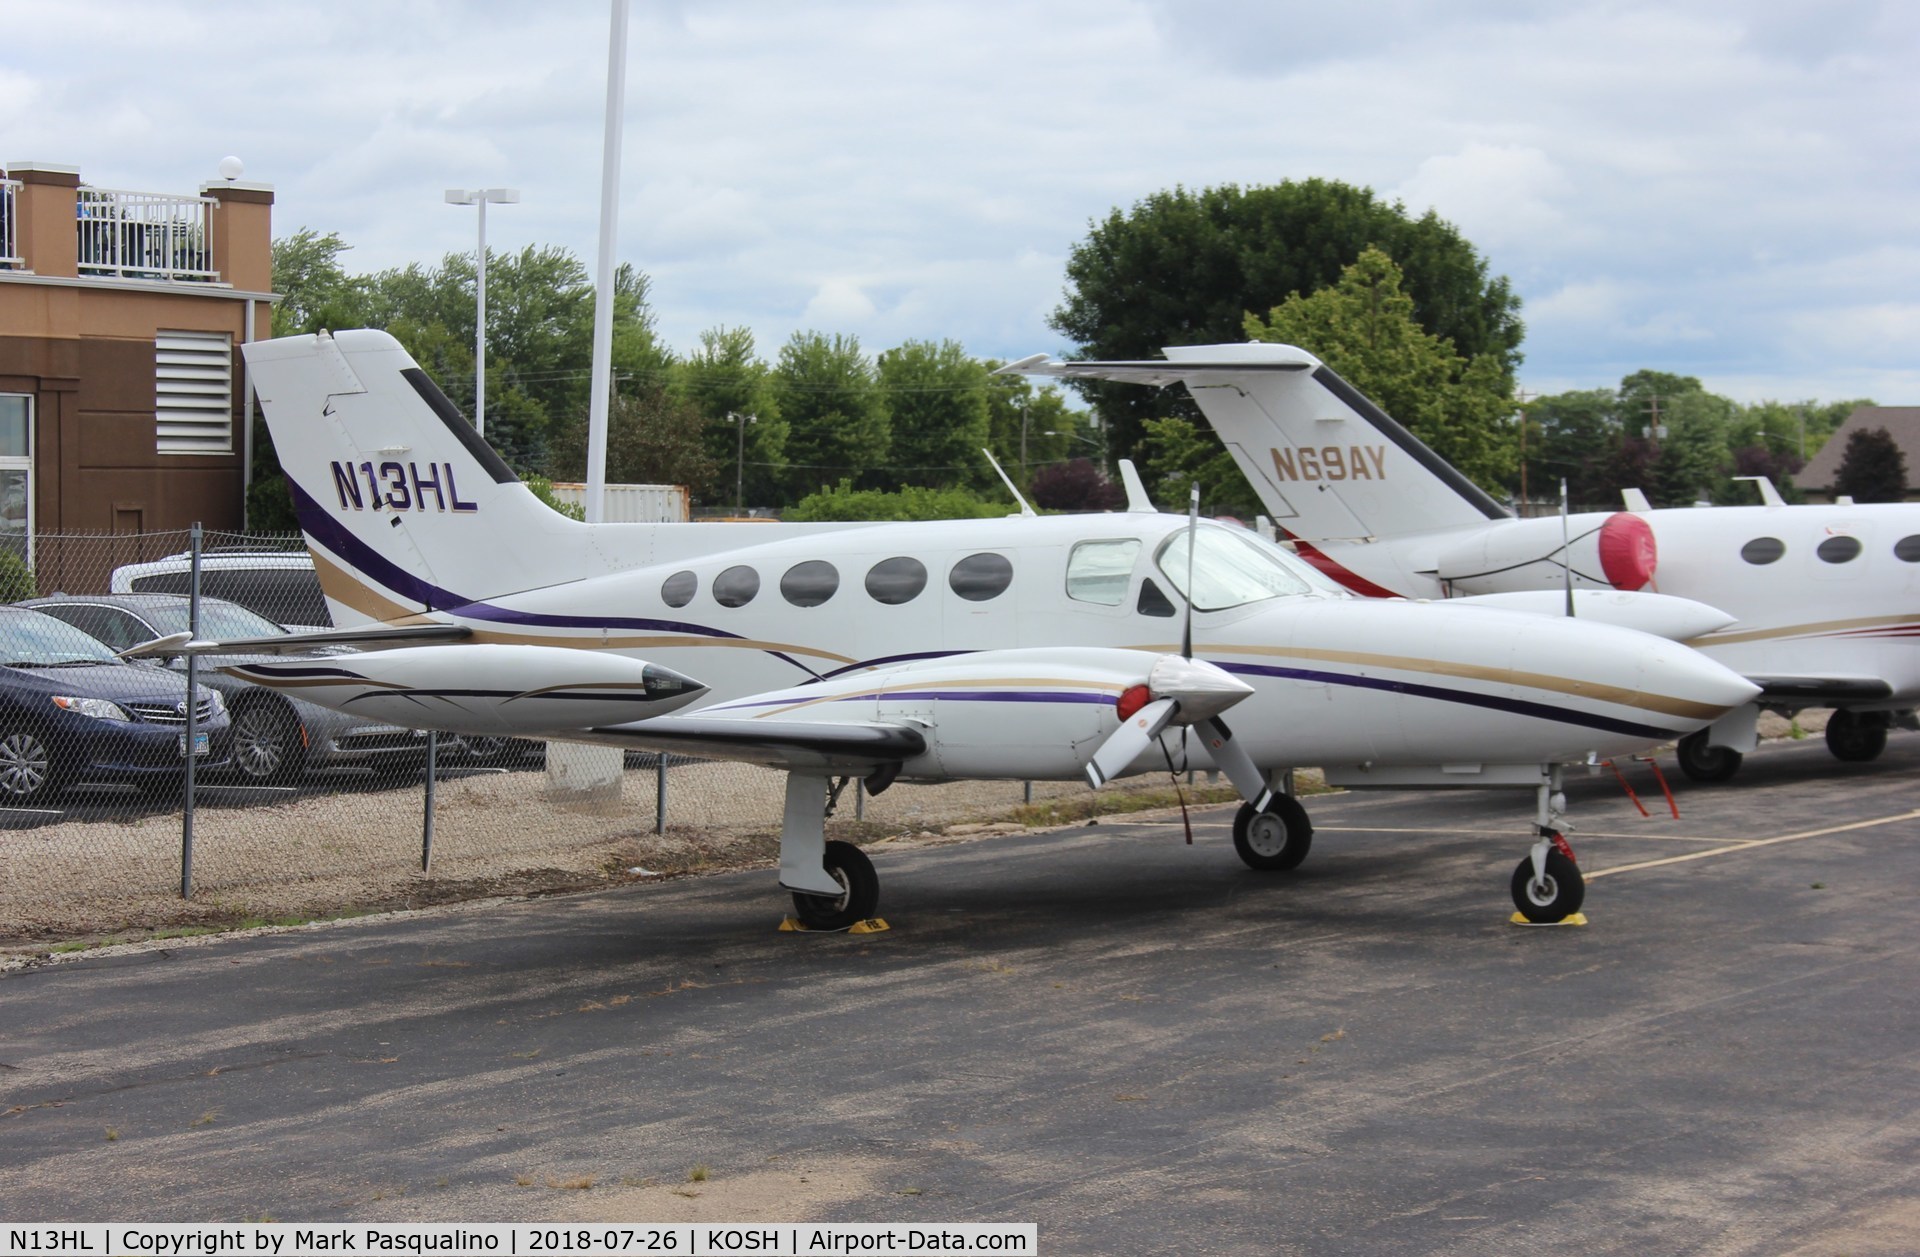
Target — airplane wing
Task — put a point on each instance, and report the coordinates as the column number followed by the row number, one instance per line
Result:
column 1822, row 689
column 858, row 748
column 292, row 643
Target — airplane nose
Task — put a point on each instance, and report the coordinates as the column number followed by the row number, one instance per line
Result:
column 664, row 682
column 1202, row 689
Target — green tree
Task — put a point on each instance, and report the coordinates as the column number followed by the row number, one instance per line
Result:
column 653, row 437
column 915, row 502
column 745, row 436
column 315, row 290
column 837, row 426
column 937, row 406
column 1872, row 469
column 1364, row 327
column 1175, row 454
column 1184, row 268
column 1028, row 428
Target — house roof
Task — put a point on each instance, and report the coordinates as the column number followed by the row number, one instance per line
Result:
column 1901, row 422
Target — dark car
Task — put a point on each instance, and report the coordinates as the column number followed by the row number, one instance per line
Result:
column 275, row 736
column 70, row 711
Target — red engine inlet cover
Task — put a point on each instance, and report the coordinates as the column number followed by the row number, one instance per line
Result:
column 1627, row 551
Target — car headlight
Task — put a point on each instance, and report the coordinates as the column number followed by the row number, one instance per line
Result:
column 219, row 702
column 98, row 708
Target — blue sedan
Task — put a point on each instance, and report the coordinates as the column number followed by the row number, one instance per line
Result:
column 71, row 711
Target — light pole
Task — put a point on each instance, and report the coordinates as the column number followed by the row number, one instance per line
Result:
column 481, row 197
column 740, row 460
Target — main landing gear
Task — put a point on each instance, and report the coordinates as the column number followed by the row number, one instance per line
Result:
column 1547, row 885
column 834, row 885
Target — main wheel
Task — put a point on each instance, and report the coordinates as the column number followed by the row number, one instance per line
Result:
column 28, row 773
column 1857, row 736
column 1707, row 763
column 1276, row 839
column 859, row 895
column 267, row 745
column 1553, row 898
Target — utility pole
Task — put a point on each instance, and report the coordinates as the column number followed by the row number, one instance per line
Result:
column 740, row 460
column 1655, row 429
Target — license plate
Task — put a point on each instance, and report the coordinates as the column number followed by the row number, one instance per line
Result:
column 201, row 744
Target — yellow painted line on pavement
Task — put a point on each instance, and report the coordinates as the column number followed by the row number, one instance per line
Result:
column 1749, row 845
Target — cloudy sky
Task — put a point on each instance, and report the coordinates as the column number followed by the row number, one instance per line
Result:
column 1722, row 190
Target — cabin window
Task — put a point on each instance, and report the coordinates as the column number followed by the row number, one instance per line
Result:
column 1839, row 549
column 1152, row 601
column 1763, row 550
column 1907, row 549
column 678, row 589
column 1232, row 568
column 1100, row 571
column 981, row 577
column 897, row 580
column 809, row 584
column 736, row 586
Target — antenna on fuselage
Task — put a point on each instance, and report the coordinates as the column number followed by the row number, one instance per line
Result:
column 1007, row 481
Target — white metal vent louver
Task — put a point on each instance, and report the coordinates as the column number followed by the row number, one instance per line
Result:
column 193, row 392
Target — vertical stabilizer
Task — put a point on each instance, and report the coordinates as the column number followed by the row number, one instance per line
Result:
column 405, row 507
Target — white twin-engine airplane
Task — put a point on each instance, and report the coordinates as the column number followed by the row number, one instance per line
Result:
column 1018, row 648
column 1823, row 602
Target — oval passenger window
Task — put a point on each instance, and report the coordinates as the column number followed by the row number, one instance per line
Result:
column 1907, row 549
column 897, row 580
column 809, row 584
column 736, row 586
column 980, row 577
column 1763, row 550
column 678, row 589
column 1839, row 549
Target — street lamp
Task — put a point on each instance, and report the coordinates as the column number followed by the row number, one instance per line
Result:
column 481, row 197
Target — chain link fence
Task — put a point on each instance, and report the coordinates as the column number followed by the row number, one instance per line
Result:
column 122, row 806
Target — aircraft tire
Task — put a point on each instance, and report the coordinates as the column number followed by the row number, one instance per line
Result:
column 1707, row 763
column 1553, row 900
column 1857, row 737
column 1274, row 840
column 848, row 865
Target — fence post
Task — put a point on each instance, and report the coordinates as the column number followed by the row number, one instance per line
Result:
column 426, row 823
column 660, row 793
column 193, row 706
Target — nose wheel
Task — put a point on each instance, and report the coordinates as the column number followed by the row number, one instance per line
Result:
column 1274, row 838
column 1549, row 889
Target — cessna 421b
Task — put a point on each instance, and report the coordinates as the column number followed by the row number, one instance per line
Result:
column 1823, row 601
column 1024, row 647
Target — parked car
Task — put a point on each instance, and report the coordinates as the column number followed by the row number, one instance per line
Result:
column 275, row 737
column 70, row 711
column 280, row 585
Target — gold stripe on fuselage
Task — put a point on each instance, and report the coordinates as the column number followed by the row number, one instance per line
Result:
column 1820, row 628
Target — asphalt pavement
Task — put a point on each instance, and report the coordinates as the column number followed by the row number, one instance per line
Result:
column 1141, row 1046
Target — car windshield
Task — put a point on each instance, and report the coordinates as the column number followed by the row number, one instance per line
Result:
column 219, row 621
column 31, row 640
column 1232, row 568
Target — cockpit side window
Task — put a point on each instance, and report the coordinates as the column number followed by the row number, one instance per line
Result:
column 1100, row 571
column 1230, row 569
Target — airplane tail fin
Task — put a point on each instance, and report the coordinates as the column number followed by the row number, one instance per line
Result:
column 1326, row 462
column 405, row 508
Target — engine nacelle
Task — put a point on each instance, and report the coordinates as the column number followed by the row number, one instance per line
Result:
column 1615, row 551
column 481, row 689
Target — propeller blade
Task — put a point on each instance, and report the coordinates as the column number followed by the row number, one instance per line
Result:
column 1127, row 742
column 1232, row 759
column 1193, row 528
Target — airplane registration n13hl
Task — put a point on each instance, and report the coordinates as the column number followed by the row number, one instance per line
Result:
column 1019, row 648
column 1823, row 601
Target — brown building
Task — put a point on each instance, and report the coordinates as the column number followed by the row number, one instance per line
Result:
column 1902, row 424
column 121, row 388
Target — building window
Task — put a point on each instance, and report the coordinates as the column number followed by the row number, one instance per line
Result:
column 193, row 392
column 16, row 475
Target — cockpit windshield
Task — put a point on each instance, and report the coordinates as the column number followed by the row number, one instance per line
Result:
column 1233, row 568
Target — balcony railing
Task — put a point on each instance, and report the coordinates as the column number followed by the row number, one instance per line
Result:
column 145, row 235
column 9, row 233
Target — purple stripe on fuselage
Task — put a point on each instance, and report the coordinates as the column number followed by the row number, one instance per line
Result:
column 951, row 696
